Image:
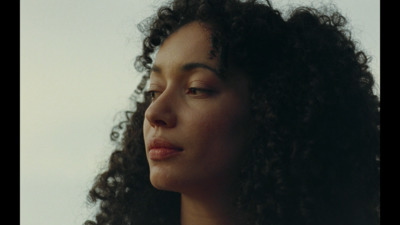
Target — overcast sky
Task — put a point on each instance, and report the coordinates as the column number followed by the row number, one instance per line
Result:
column 77, row 73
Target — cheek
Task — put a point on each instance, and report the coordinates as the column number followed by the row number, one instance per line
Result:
column 222, row 142
column 230, row 121
column 222, row 133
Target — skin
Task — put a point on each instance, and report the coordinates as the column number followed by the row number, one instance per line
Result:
column 206, row 117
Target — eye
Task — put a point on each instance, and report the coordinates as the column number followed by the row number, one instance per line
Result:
column 153, row 95
column 192, row 91
column 201, row 92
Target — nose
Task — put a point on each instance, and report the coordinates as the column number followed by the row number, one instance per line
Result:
column 161, row 112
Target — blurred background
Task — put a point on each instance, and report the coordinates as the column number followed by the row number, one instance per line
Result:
column 76, row 76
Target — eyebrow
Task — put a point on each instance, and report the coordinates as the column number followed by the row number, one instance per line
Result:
column 188, row 67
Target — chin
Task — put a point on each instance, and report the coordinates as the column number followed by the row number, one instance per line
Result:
column 166, row 182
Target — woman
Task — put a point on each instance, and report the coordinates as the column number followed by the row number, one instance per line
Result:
column 247, row 118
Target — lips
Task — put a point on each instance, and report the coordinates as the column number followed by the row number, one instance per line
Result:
column 160, row 149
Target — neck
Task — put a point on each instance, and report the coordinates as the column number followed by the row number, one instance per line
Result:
column 208, row 209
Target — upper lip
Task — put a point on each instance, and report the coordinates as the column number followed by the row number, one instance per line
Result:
column 162, row 143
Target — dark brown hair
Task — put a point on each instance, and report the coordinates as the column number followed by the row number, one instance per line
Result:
column 315, row 159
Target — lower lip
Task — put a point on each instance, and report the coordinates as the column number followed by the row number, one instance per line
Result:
column 162, row 153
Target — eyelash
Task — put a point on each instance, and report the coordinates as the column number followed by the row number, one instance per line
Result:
column 194, row 91
column 153, row 94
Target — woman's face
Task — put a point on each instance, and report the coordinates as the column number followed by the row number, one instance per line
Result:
column 195, row 129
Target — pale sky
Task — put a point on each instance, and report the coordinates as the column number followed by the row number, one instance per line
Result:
column 77, row 73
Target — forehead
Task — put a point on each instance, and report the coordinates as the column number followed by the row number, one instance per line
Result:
column 190, row 43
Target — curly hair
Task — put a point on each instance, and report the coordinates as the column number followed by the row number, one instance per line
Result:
column 315, row 155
